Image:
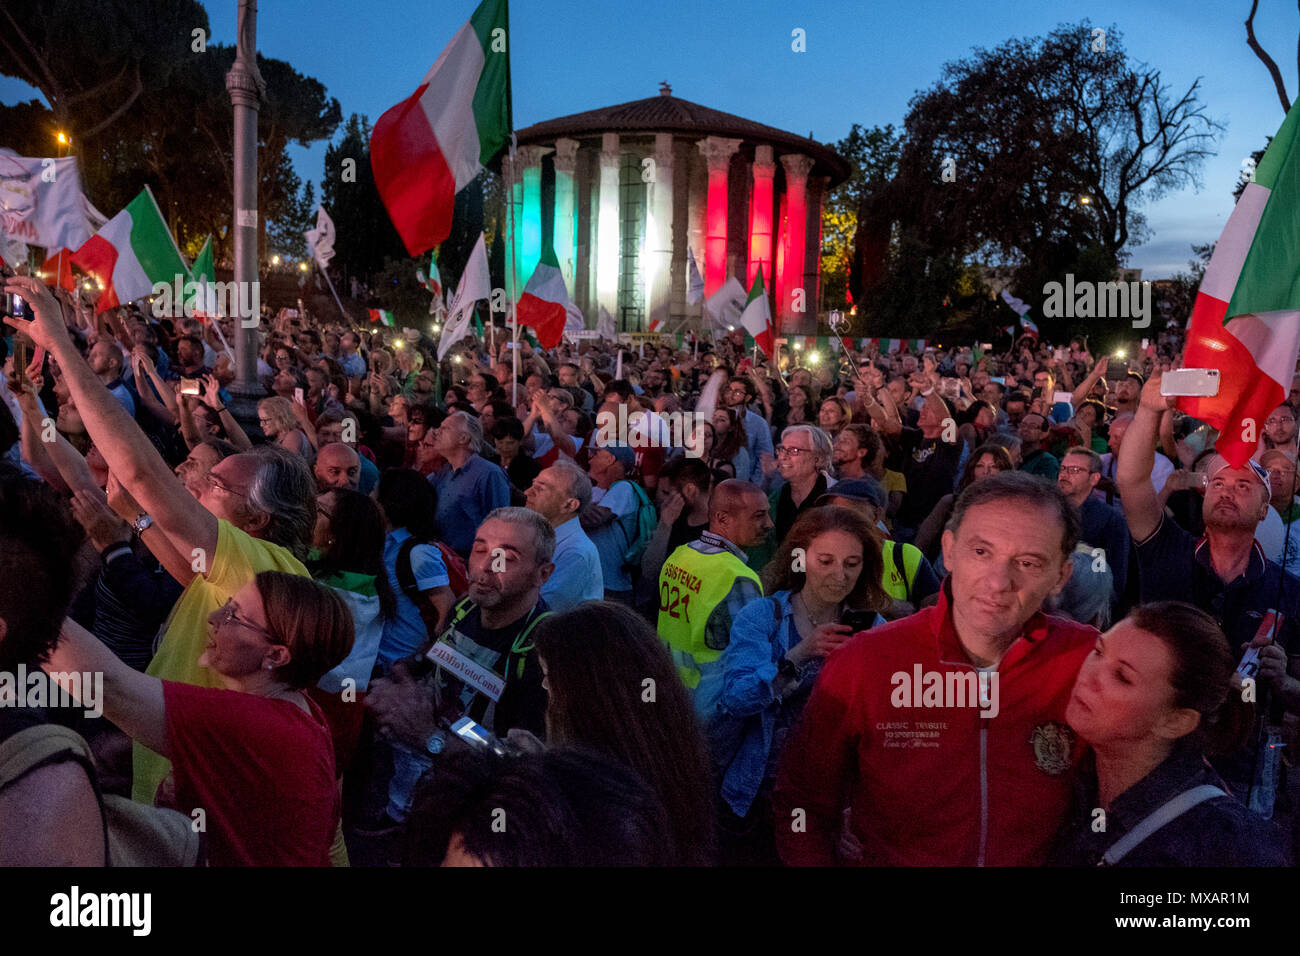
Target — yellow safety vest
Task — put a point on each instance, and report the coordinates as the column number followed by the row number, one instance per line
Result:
column 898, row 581
column 691, row 585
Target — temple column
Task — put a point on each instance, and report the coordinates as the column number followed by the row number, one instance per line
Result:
column 607, row 226
column 760, row 217
column 530, row 225
column 659, row 233
column 565, row 228
column 717, row 152
column 796, row 314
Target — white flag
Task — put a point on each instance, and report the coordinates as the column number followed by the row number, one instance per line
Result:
column 41, row 202
column 474, row 285
column 605, row 325
column 320, row 241
column 694, row 281
column 1017, row 306
column 724, row 307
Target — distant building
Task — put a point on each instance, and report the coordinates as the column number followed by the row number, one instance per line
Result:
column 622, row 192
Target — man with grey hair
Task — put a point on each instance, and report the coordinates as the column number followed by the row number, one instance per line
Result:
column 468, row 485
column 483, row 666
column 255, row 513
column 559, row 494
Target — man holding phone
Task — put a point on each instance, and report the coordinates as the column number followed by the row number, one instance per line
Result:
column 1224, row 573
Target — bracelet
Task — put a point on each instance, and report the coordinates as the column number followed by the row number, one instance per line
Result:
column 220, row 410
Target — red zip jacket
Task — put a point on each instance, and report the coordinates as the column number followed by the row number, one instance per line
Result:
column 934, row 785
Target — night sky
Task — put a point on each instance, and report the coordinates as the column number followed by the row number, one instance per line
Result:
column 864, row 61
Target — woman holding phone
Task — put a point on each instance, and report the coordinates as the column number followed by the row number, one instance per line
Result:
column 823, row 586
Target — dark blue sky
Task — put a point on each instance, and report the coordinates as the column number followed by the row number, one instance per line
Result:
column 864, row 61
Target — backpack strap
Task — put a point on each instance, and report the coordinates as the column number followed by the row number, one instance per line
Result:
column 522, row 645
column 1169, row 811
column 35, row 747
column 405, row 574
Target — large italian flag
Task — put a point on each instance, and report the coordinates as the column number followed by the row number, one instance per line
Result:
column 757, row 316
column 131, row 253
column 544, row 303
column 1246, row 319
column 432, row 144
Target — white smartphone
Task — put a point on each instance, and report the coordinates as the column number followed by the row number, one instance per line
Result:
column 1198, row 382
column 298, row 395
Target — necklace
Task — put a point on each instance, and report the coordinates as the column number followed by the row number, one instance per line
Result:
column 808, row 614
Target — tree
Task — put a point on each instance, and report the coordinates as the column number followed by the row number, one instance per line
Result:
column 855, row 236
column 365, row 235
column 1050, row 139
column 1279, row 85
column 1176, row 297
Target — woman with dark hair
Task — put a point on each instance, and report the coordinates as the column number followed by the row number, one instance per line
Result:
column 255, row 757
column 414, row 563
column 796, row 409
column 985, row 460
column 602, row 663
column 731, row 439
column 823, row 586
column 1153, row 697
column 348, row 556
column 833, row 415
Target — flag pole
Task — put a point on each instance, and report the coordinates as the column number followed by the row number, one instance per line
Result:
column 510, row 277
column 325, row 273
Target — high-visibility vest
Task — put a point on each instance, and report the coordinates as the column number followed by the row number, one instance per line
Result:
column 691, row 585
column 898, row 581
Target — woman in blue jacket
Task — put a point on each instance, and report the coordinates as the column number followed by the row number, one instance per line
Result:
column 823, row 586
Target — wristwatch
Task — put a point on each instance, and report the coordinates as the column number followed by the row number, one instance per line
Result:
column 787, row 668
column 437, row 740
column 141, row 524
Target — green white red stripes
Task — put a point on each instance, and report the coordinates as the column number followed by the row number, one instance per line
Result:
column 757, row 316
column 131, row 253
column 382, row 315
column 1246, row 318
column 544, row 303
column 431, row 145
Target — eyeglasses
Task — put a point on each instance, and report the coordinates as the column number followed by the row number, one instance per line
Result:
column 1076, row 470
column 1279, row 421
column 786, row 451
column 230, row 616
column 220, row 485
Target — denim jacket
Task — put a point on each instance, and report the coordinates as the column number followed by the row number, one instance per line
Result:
column 743, row 727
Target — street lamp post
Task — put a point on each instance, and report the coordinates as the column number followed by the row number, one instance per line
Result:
column 245, row 85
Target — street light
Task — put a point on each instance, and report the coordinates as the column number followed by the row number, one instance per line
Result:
column 302, row 267
column 275, row 260
column 63, row 138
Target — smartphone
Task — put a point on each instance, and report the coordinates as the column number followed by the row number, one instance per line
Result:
column 189, row 386
column 1249, row 665
column 858, row 620
column 986, row 346
column 1200, row 382
column 477, row 735
column 298, row 396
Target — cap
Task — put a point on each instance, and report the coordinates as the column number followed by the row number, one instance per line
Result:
column 857, row 489
column 1137, row 375
column 623, row 454
column 1217, row 463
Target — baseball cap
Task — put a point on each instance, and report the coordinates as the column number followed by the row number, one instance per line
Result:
column 623, row 454
column 856, row 489
column 1217, row 463
column 1137, row 375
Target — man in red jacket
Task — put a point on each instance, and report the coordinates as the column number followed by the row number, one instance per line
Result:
column 944, row 733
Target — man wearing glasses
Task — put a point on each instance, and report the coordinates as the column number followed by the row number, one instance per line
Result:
column 1280, row 430
column 255, row 513
column 738, row 394
column 1102, row 527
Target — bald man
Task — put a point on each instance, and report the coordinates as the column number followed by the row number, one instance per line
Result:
column 704, row 584
column 337, row 466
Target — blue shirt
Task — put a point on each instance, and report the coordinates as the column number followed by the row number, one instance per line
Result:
column 761, row 634
column 577, row 576
column 612, row 540
column 405, row 632
column 465, row 496
column 354, row 366
column 758, row 440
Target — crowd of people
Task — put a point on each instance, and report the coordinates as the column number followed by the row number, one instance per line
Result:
column 651, row 605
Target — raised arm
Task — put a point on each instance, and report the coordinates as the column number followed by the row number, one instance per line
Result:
column 1084, row 389
column 127, row 450
column 1137, row 459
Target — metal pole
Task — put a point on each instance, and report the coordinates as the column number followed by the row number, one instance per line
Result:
column 245, row 85
column 332, row 292
column 510, row 278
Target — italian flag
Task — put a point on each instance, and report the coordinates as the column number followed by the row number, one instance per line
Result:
column 381, row 315
column 131, row 253
column 757, row 316
column 656, row 325
column 435, row 142
column 1246, row 318
column 544, row 303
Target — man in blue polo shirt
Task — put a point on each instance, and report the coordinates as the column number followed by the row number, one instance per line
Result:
column 1225, row 574
column 469, row 487
column 559, row 494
